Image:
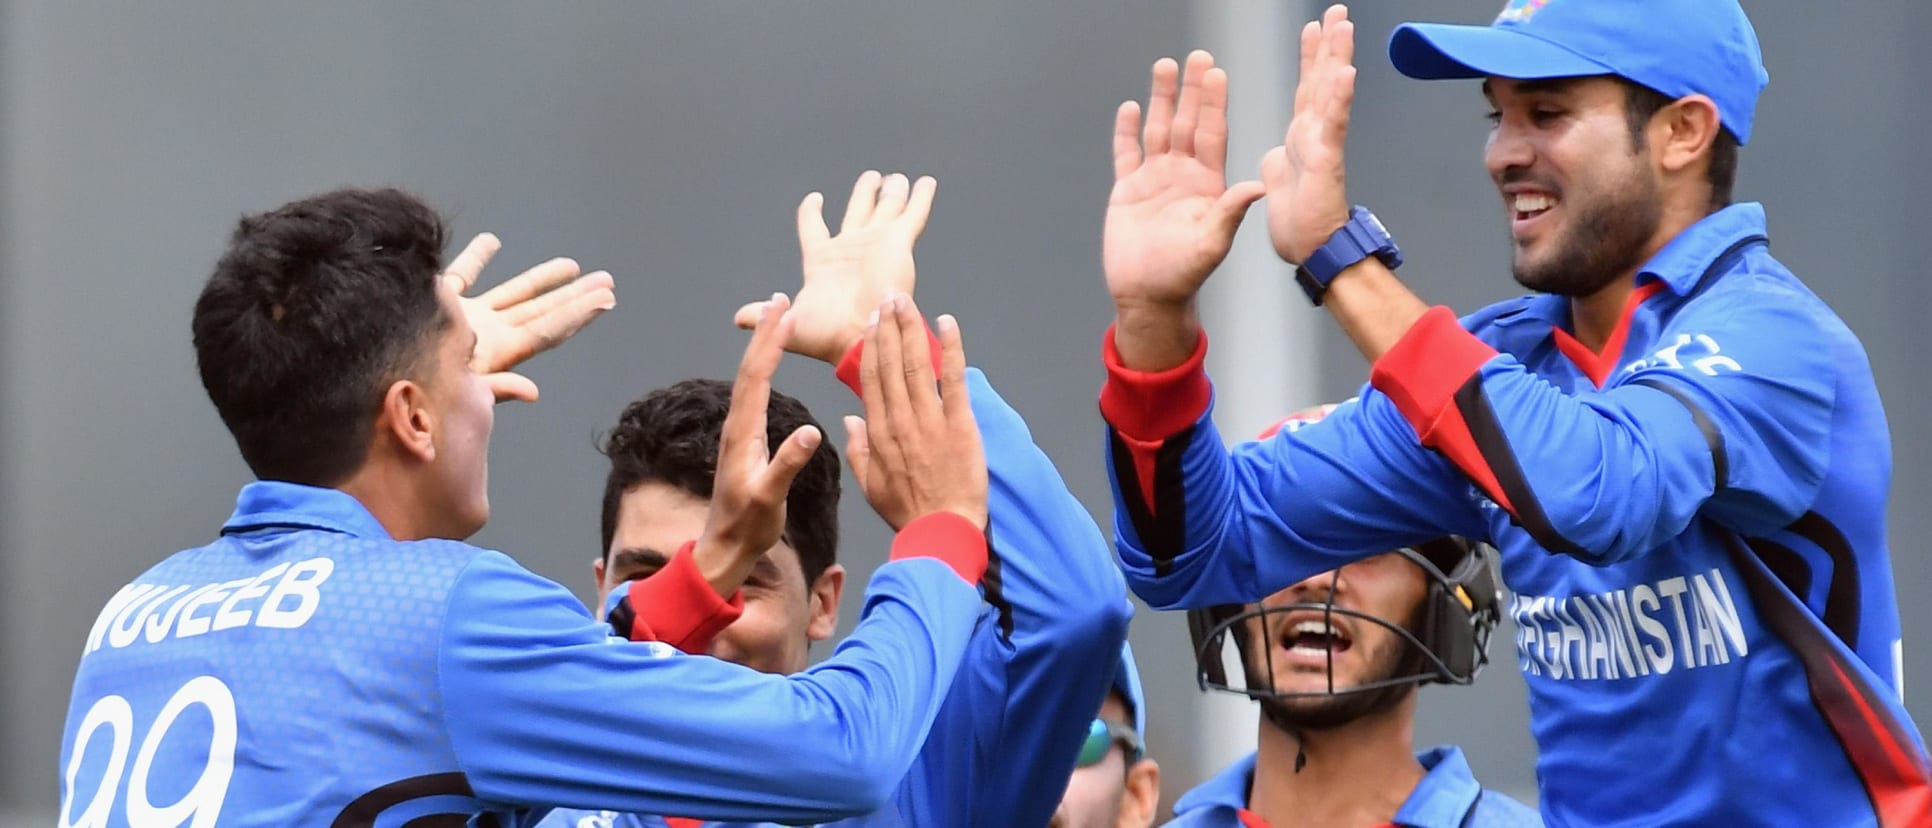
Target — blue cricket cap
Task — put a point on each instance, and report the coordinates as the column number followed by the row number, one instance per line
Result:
column 1127, row 684
column 1677, row 47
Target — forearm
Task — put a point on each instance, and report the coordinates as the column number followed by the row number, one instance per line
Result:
column 553, row 714
column 1373, row 307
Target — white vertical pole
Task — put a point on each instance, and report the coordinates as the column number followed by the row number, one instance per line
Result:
column 1262, row 342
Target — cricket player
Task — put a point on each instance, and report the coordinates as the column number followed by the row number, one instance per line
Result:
column 339, row 657
column 1334, row 662
column 1677, row 447
column 1056, row 613
column 1110, row 792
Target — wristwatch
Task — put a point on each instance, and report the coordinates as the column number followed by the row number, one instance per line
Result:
column 1363, row 236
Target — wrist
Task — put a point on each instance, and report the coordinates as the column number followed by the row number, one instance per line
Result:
column 1155, row 336
column 848, row 338
column 723, row 562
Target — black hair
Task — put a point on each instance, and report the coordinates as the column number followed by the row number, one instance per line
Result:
column 1641, row 102
column 671, row 436
column 313, row 310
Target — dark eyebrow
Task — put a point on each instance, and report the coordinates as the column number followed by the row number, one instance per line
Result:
column 638, row 558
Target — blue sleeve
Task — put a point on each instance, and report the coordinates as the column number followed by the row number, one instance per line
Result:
column 1043, row 655
column 1197, row 524
column 544, row 709
column 1730, row 417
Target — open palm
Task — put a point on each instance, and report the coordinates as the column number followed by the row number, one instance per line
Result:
column 534, row 311
column 848, row 275
column 1171, row 216
column 1305, row 176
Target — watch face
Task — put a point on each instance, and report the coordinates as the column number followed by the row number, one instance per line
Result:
column 1377, row 224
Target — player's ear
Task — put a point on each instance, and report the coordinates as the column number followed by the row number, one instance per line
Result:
column 406, row 419
column 597, row 575
column 824, row 609
column 1141, row 796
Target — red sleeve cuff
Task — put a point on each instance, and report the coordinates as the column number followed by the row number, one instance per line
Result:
column 677, row 606
column 1427, row 366
column 948, row 537
column 1147, row 407
column 848, row 367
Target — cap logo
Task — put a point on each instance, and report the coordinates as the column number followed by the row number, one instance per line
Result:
column 1520, row 11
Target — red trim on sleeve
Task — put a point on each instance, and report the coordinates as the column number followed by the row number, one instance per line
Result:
column 1422, row 373
column 683, row 822
column 1151, row 406
column 1250, row 819
column 848, row 367
column 677, row 606
column 1452, row 437
column 1597, row 365
column 1147, row 407
column 948, row 537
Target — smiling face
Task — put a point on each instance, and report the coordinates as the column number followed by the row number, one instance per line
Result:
column 1581, row 195
column 1300, row 646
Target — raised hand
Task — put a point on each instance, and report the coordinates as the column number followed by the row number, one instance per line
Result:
column 917, row 450
column 1172, row 216
column 848, row 275
column 1307, row 200
column 531, row 313
column 748, row 492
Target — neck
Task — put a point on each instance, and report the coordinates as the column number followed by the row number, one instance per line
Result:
column 399, row 507
column 1595, row 317
column 1356, row 774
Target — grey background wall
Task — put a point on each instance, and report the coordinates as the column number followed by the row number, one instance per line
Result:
column 669, row 144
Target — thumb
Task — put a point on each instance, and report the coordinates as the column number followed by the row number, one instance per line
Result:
column 858, row 453
column 788, row 460
column 1234, row 204
column 507, row 386
column 747, row 316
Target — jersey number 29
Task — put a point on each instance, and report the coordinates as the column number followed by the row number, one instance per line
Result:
column 112, row 718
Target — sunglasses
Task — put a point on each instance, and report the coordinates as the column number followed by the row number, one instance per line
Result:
column 1103, row 734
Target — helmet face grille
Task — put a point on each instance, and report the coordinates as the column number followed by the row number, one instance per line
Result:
column 1447, row 642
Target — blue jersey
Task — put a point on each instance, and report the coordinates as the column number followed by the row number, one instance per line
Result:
column 1692, row 522
column 1040, row 661
column 306, row 669
column 1447, row 797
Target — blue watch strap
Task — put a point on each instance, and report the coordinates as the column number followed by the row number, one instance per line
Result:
column 1363, row 236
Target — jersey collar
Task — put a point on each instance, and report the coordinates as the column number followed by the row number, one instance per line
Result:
column 1441, row 800
column 275, row 503
column 1680, row 265
column 1685, row 259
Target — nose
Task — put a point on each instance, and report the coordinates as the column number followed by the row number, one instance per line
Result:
column 1508, row 148
column 1315, row 588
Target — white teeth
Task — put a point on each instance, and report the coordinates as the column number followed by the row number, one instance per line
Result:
column 1532, row 203
column 1313, row 627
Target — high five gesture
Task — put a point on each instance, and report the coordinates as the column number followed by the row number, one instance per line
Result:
column 1304, row 176
column 1172, row 215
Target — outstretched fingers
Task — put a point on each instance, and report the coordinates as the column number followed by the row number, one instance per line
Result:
column 1157, row 134
column 532, row 283
column 811, row 221
column 1211, row 135
column 952, row 375
column 751, row 389
column 1187, row 112
column 865, row 195
column 1126, row 139
column 919, row 206
column 468, row 265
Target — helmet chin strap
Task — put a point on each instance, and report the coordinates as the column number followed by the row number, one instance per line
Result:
column 1278, row 715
